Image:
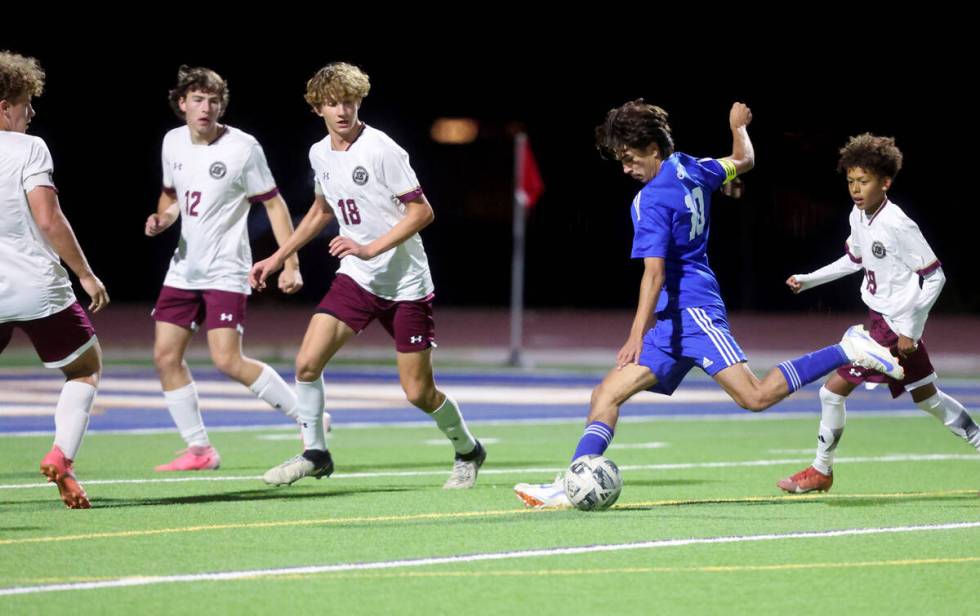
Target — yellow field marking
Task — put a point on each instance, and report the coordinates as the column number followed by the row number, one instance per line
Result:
column 462, row 515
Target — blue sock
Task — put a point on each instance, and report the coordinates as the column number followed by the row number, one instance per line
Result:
column 812, row 366
column 594, row 441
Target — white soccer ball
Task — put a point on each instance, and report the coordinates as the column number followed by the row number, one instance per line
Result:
column 593, row 482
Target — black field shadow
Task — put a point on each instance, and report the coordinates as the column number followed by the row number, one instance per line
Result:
column 382, row 467
column 266, row 494
column 19, row 529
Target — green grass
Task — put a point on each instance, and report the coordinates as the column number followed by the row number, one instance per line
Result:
column 156, row 529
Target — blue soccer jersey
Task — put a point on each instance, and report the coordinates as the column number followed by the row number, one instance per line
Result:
column 671, row 219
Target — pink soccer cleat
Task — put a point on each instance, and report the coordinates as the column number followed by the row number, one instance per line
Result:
column 194, row 458
column 58, row 469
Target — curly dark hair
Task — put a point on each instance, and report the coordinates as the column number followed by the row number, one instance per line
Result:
column 878, row 155
column 199, row 79
column 635, row 124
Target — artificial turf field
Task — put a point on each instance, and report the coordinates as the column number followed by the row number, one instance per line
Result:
column 700, row 527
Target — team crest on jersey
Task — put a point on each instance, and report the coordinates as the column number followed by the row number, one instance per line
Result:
column 218, row 170
column 878, row 250
column 360, row 176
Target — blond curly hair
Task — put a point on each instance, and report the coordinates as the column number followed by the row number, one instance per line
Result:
column 337, row 82
column 20, row 76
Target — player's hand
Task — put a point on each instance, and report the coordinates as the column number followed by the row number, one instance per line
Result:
column 96, row 291
column 739, row 116
column 341, row 247
column 906, row 346
column 794, row 285
column 156, row 224
column 290, row 280
column 262, row 270
column 734, row 189
column 630, row 353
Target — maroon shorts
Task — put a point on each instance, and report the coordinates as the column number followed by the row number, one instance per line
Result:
column 410, row 323
column 59, row 338
column 189, row 308
column 918, row 366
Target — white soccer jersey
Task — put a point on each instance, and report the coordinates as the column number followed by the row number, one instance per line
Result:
column 214, row 185
column 894, row 255
column 33, row 284
column 367, row 186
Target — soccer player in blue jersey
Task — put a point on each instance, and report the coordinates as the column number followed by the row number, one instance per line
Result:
column 681, row 320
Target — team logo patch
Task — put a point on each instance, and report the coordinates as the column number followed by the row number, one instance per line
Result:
column 878, row 250
column 218, row 170
column 360, row 176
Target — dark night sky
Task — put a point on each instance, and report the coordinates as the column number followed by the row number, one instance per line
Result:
column 104, row 113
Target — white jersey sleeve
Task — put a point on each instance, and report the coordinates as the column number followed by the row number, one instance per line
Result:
column 916, row 254
column 852, row 245
column 168, row 174
column 257, row 178
column 913, row 249
column 38, row 168
column 397, row 174
column 828, row 273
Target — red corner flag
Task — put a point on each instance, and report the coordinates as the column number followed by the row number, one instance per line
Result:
column 527, row 185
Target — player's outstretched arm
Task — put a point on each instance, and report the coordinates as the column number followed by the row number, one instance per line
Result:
column 53, row 224
column 828, row 273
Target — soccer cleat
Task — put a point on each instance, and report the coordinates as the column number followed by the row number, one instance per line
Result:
column 310, row 463
column 58, row 469
column 862, row 350
column 807, row 480
column 544, row 495
column 194, row 458
column 465, row 471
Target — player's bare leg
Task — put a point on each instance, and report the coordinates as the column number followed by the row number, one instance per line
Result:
column 169, row 346
column 325, row 335
column 619, row 385
column 418, row 382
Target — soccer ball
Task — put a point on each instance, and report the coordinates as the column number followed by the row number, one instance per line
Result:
column 593, row 482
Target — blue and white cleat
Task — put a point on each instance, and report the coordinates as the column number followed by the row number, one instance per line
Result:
column 862, row 350
column 544, row 495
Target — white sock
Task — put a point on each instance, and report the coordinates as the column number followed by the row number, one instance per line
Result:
column 309, row 409
column 949, row 411
column 71, row 416
column 451, row 422
column 272, row 389
column 833, row 415
column 186, row 412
